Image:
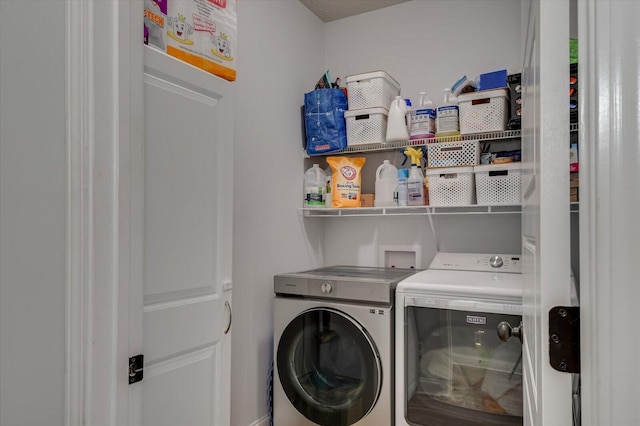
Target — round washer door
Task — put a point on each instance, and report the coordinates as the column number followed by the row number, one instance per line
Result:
column 329, row 367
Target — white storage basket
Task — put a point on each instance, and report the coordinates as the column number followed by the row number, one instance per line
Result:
column 371, row 90
column 365, row 126
column 485, row 111
column 498, row 184
column 450, row 154
column 452, row 186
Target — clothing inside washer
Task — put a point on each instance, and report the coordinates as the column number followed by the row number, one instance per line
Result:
column 468, row 377
column 329, row 362
column 334, row 375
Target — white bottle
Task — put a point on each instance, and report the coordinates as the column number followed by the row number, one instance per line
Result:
column 329, row 179
column 415, row 187
column 397, row 121
column 403, row 175
column 386, row 185
column 423, row 119
column 447, row 117
column 315, row 180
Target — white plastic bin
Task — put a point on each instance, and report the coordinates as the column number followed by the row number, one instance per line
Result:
column 371, row 89
column 450, row 154
column 484, row 111
column 452, row 186
column 367, row 125
column 499, row 184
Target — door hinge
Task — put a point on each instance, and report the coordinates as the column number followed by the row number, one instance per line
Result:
column 564, row 338
column 136, row 366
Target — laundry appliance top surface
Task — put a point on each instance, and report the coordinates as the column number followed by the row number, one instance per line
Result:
column 478, row 275
column 355, row 283
column 368, row 273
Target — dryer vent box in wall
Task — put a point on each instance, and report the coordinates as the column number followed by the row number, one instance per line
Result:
column 406, row 257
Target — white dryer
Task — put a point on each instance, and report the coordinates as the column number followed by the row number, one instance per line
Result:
column 451, row 366
column 334, row 346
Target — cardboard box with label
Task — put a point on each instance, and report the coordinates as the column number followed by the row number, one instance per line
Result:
column 202, row 33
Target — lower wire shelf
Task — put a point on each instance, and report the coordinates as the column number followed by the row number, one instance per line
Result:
column 407, row 211
column 574, row 207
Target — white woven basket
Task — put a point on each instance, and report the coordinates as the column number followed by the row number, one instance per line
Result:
column 450, row 154
column 371, row 90
column 365, row 126
column 485, row 111
column 452, row 186
column 498, row 184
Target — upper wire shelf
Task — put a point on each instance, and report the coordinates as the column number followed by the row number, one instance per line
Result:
column 489, row 136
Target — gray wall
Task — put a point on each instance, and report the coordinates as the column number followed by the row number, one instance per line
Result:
column 280, row 57
column 32, row 212
column 425, row 46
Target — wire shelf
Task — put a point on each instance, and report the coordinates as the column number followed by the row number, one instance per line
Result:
column 489, row 136
column 408, row 211
column 416, row 211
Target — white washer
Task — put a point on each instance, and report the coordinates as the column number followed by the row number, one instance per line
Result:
column 334, row 346
column 451, row 366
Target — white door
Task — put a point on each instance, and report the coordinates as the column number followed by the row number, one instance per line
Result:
column 186, row 249
column 545, row 219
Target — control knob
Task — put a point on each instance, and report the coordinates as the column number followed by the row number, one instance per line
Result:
column 326, row 287
column 496, row 262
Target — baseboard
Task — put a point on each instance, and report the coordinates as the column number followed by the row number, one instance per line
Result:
column 265, row 421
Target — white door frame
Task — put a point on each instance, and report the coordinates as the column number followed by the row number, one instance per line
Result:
column 104, row 137
column 609, row 205
column 80, row 144
column 545, row 205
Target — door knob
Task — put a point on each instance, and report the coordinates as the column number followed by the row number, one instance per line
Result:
column 506, row 331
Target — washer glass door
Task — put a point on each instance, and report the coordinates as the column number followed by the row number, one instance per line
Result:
column 458, row 370
column 329, row 367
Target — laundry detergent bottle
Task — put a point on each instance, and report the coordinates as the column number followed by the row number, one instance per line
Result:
column 386, row 184
column 315, row 180
column 397, row 121
column 415, row 182
column 423, row 119
column 401, row 193
column 448, row 116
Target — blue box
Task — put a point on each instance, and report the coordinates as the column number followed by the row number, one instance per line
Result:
column 493, row 80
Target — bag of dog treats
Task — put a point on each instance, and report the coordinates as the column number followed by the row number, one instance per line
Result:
column 346, row 183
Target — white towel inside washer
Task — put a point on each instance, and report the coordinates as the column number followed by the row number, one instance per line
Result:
column 478, row 378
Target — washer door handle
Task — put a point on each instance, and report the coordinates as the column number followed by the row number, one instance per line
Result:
column 506, row 331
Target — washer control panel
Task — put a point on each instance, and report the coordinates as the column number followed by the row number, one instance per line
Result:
column 477, row 262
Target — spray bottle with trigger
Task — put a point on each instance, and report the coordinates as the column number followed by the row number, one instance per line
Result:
column 415, row 183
